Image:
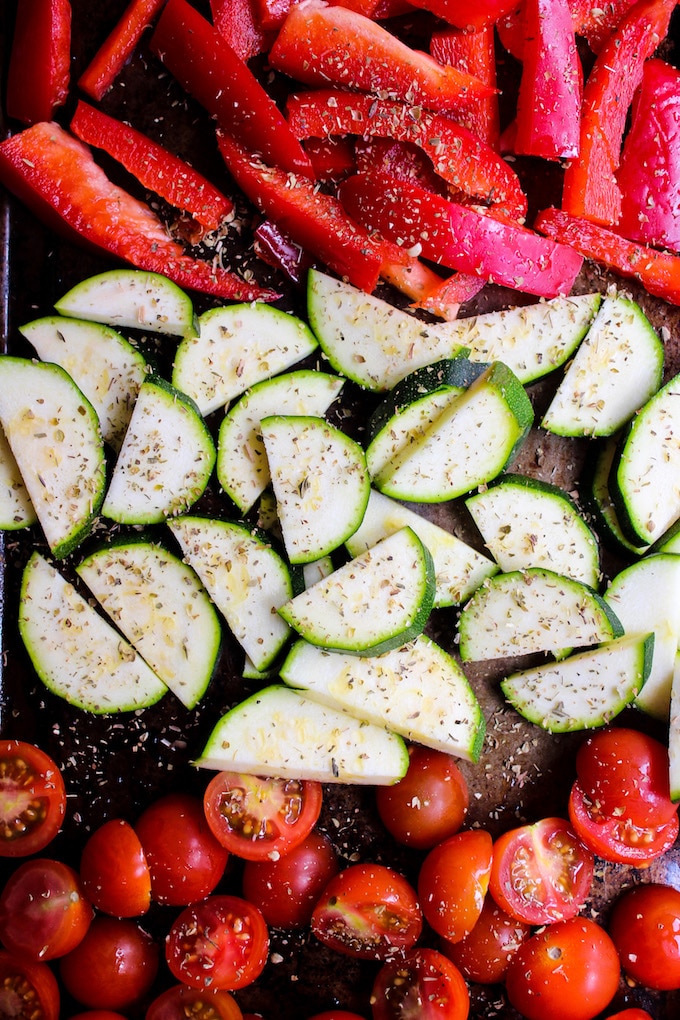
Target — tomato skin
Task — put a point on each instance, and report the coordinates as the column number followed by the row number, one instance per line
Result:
column 617, row 840
column 424, row 985
column 261, row 819
column 44, row 913
column 336, row 1014
column 453, row 882
column 631, row 1014
column 180, row 1002
column 645, row 927
column 484, row 955
column 221, row 942
column 98, row 1014
column 185, row 860
column 567, row 971
column 114, row 871
column 27, row 988
column 287, row 890
column 369, row 911
column 114, row 965
column 32, row 799
column 429, row 804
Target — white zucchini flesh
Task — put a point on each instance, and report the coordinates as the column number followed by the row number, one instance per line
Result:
column 646, row 598
column 161, row 607
column 583, row 691
column 417, row 691
column 674, row 734
column 16, row 509
column 616, row 369
column 131, row 298
column 533, row 610
column 78, row 654
column 54, row 435
column 320, row 481
column 166, row 459
column 279, row 732
column 242, row 468
column 529, row 523
column 107, row 368
column 406, row 427
column 317, row 570
column 236, row 347
column 376, row 602
column 459, row 569
column 246, row 579
column 370, row 341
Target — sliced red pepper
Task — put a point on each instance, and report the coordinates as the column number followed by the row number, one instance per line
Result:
column 549, row 102
column 206, row 66
column 319, row 44
column 332, row 158
column 54, row 174
column 466, row 162
column 463, row 14
column 459, row 237
column 657, row 271
column 590, row 187
column 236, row 21
column 40, row 60
column 119, row 46
column 276, row 248
column 155, row 168
column 314, row 220
column 400, row 159
column 475, row 53
column 271, row 14
column 649, row 174
column 595, row 22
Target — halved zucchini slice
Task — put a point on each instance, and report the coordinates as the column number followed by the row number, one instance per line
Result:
column 16, row 509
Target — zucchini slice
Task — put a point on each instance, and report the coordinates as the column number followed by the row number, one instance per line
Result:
column 533, row 610
column 16, row 509
column 165, row 461
column 376, row 602
column 242, row 468
column 279, row 732
column 76, row 653
column 597, row 494
column 131, row 298
column 54, row 436
column 616, row 369
column 585, row 690
column 107, row 368
column 417, row 691
column 526, row 522
column 236, row 347
column 674, row 734
column 245, row 577
column 320, row 481
column 163, row 610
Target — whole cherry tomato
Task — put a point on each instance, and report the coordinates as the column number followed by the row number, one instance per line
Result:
column 27, row 989
column 32, row 799
column 113, row 966
column 114, row 871
column 425, row 984
column 453, row 882
column 43, row 910
column 645, row 927
column 484, row 955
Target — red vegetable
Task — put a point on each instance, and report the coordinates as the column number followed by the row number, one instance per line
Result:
column 485, row 954
column 425, row 979
column 113, row 966
column 114, row 871
column 453, row 882
column 39, row 64
column 31, row 988
column 463, row 14
column 32, row 799
column 475, row 53
column 644, row 925
column 117, row 49
column 43, row 910
column 237, row 22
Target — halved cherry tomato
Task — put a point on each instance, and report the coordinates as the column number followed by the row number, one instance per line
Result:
column 261, row 819
column 422, row 986
column 369, row 911
column 541, row 873
column 221, row 942
column 287, row 890
column 43, row 910
column 27, row 989
column 619, row 840
column 335, row 1014
column 113, row 966
column 453, row 882
column 485, row 954
column 645, row 927
column 114, row 871
column 180, row 1002
column 98, row 1014
column 32, row 799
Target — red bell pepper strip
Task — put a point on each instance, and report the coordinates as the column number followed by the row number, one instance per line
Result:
column 463, row 14
column 332, row 158
column 657, row 271
column 236, row 22
column 464, row 161
column 649, row 174
column 155, row 168
column 460, row 238
column 319, row 45
column 549, row 102
column 54, row 174
column 314, row 220
column 275, row 248
column 206, row 66
column 593, row 21
column 119, row 46
column 590, row 187
column 475, row 53
column 400, row 159
column 271, row 14
column 40, row 59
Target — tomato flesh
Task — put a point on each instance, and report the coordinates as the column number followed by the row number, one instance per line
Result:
column 645, row 927
column 28, row 990
column 180, row 1002
column 43, row 911
column 422, row 986
column 618, row 839
column 32, row 799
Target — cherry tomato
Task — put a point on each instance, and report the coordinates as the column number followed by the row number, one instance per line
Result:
column 32, row 799
column 221, row 942
column 631, row 1014
column 484, row 955
column 368, row 911
column 98, row 1014
column 541, row 873
column 335, row 1014
column 43, row 910
column 114, row 965
column 453, row 882
column 180, row 1002
column 645, row 927
column 261, row 819
column 114, row 871
column 185, row 860
column 422, row 986
column 429, row 804
column 27, row 989
column 567, row 971
column 287, row 890
column 616, row 839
